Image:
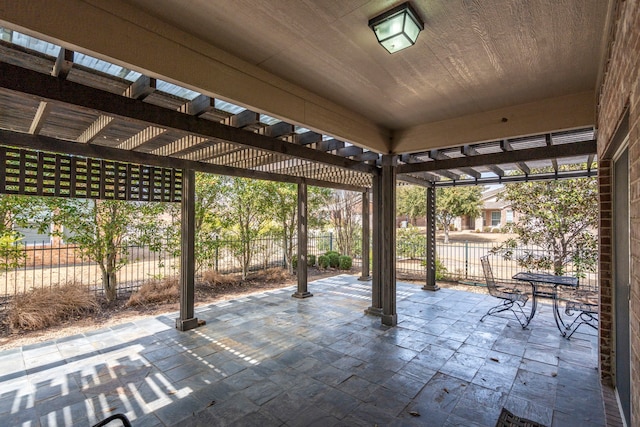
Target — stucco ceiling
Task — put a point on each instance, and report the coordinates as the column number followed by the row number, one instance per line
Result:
column 473, row 56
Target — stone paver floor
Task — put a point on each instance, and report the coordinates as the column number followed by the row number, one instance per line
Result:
column 272, row 360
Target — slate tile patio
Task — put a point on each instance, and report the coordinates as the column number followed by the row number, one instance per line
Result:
column 272, row 360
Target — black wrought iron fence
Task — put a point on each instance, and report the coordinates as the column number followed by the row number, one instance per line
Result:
column 45, row 265
column 41, row 265
column 460, row 262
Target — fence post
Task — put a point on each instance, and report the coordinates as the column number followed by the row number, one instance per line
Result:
column 466, row 259
column 331, row 240
column 217, row 248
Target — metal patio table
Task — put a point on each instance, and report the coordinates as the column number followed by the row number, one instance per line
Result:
column 546, row 285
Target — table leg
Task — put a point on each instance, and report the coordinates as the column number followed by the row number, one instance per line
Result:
column 562, row 327
column 534, row 303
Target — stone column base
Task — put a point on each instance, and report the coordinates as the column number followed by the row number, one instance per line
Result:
column 188, row 324
column 390, row 319
column 431, row 287
column 373, row 311
column 301, row 295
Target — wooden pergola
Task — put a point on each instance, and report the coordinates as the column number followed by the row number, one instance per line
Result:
column 75, row 126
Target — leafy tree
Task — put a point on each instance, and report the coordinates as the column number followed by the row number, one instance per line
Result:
column 411, row 243
column 285, row 210
column 20, row 211
column 452, row 202
column 102, row 229
column 342, row 213
column 411, row 201
column 17, row 211
column 559, row 217
column 248, row 207
column 209, row 209
column 12, row 254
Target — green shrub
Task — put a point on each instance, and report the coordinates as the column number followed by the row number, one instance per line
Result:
column 334, row 259
column 311, row 260
column 345, row 262
column 323, row 261
column 441, row 270
column 294, row 262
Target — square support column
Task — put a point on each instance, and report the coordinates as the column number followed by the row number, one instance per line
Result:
column 301, row 269
column 366, row 241
column 388, row 244
column 187, row 319
column 431, row 240
column 376, row 283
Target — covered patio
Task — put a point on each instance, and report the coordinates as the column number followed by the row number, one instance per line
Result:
column 127, row 100
column 270, row 360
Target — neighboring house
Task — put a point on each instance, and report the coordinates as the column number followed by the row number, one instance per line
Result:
column 495, row 213
column 31, row 236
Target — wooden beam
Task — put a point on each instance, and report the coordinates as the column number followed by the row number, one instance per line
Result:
column 178, row 145
column 414, row 180
column 63, row 64
column 469, row 150
column 438, row 155
column 505, row 145
column 42, row 86
column 141, row 88
column 43, row 143
column 549, row 142
column 349, row 151
column 209, row 151
column 590, row 161
column 447, row 174
column 99, row 125
column 367, row 156
column 585, row 173
column 244, row 119
column 41, row 116
column 308, row 138
column 530, row 154
column 329, row 145
column 198, row 106
column 279, row 130
column 141, row 138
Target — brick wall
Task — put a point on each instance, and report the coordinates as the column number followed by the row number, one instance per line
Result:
column 621, row 91
column 605, row 271
column 52, row 255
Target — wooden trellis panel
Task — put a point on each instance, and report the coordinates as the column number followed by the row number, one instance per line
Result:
column 36, row 173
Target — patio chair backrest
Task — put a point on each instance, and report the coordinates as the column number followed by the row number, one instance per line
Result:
column 488, row 275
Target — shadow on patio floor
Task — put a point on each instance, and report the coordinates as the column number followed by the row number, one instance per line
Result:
column 271, row 360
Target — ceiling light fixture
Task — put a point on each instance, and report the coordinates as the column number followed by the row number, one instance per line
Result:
column 397, row 28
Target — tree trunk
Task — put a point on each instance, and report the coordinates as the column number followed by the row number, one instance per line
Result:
column 558, row 267
column 446, row 233
column 246, row 259
column 288, row 252
column 110, row 285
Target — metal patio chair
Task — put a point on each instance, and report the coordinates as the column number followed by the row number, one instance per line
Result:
column 583, row 304
column 121, row 420
column 512, row 298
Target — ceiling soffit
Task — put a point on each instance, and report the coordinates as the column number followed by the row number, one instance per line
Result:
column 313, row 64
